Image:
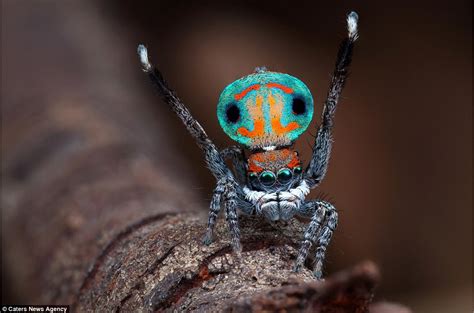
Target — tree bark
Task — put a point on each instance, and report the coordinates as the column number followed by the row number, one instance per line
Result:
column 160, row 264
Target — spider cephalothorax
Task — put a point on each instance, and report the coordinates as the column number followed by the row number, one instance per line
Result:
column 266, row 112
column 274, row 169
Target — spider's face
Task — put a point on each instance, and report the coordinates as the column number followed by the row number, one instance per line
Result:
column 265, row 109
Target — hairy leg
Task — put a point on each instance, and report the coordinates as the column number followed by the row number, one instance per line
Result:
column 236, row 154
column 320, row 229
column 214, row 161
column 230, row 204
column 215, row 208
column 226, row 194
column 322, row 148
column 227, row 187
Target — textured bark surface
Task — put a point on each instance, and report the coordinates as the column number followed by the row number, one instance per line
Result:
column 160, row 264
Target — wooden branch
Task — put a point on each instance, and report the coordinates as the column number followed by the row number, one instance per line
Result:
column 160, row 264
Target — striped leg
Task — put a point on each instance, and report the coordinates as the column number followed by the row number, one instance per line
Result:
column 227, row 185
column 237, row 155
column 215, row 208
column 230, row 204
column 320, row 229
column 323, row 239
column 322, row 147
column 225, row 193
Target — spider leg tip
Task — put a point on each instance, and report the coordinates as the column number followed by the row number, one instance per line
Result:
column 352, row 21
column 143, row 54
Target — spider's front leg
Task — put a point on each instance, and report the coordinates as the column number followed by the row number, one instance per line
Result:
column 214, row 210
column 319, row 232
column 225, row 194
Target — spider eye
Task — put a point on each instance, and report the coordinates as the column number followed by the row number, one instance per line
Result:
column 267, row 178
column 284, row 175
column 298, row 170
column 253, row 177
column 298, row 106
column 233, row 113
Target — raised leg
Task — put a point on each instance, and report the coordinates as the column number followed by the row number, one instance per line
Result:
column 227, row 186
column 319, row 232
column 322, row 148
column 214, row 161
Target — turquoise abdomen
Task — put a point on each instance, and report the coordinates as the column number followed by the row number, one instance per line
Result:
column 265, row 109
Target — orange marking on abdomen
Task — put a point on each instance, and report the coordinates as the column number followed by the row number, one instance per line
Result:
column 242, row 94
column 280, row 86
column 259, row 123
column 280, row 129
column 257, row 130
column 276, row 112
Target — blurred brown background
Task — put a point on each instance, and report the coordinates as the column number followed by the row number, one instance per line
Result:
column 401, row 170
